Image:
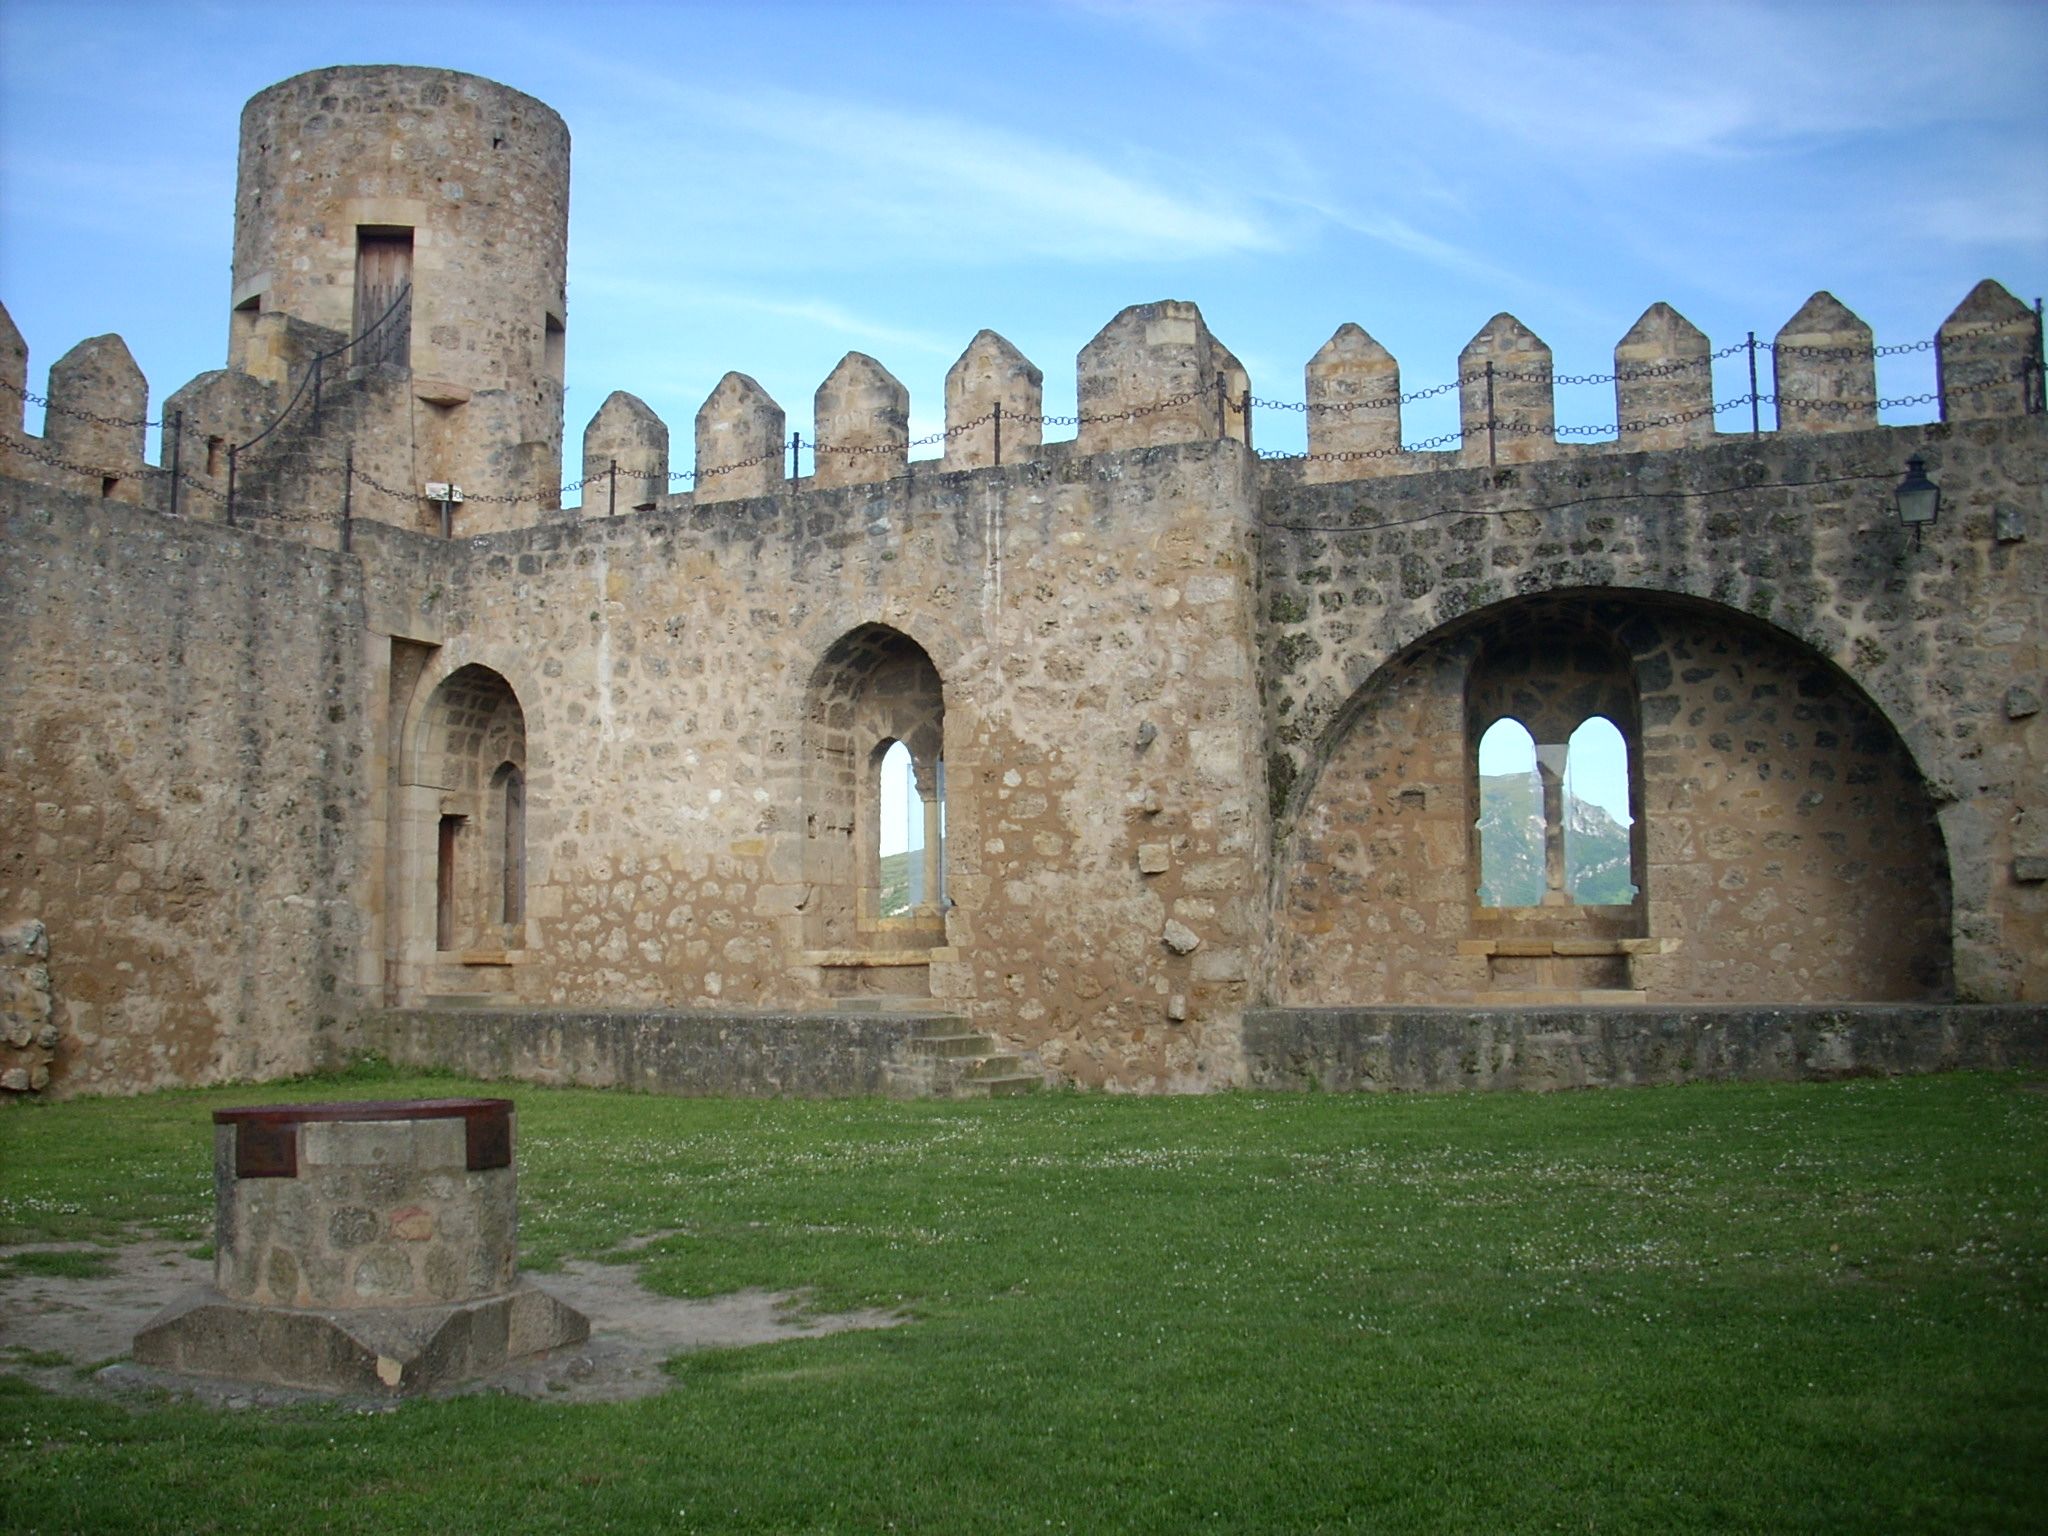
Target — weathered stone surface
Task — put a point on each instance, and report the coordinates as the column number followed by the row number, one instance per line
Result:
column 740, row 1052
column 28, row 1031
column 741, row 433
column 863, row 424
column 995, row 397
column 625, row 457
column 387, row 1352
column 1506, row 403
column 1155, row 375
column 1180, row 938
column 1824, row 370
column 1353, row 393
column 1347, row 1050
column 1987, row 346
column 1664, row 382
column 99, row 402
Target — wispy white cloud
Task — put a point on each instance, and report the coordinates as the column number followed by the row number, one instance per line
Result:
column 945, row 186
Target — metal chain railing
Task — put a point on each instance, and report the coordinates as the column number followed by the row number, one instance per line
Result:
column 1240, row 406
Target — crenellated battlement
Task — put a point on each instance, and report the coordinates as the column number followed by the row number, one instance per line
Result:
column 1154, row 375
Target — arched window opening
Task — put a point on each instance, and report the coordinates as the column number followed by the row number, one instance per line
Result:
column 1597, row 852
column 1510, row 825
column 463, row 801
column 874, row 791
column 508, row 794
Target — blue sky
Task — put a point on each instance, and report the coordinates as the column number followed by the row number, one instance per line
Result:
column 766, row 186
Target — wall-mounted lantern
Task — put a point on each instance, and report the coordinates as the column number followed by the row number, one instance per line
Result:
column 1919, row 498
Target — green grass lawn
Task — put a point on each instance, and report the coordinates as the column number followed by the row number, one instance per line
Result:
column 1714, row 1308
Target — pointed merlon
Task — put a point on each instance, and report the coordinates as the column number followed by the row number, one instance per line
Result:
column 625, row 457
column 1353, row 389
column 990, row 375
column 1664, row 382
column 1150, row 376
column 1506, row 405
column 863, row 424
column 98, row 402
column 1824, row 370
column 1990, row 348
column 13, row 373
column 742, row 435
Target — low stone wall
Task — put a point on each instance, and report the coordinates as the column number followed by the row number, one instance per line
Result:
column 1345, row 1050
column 742, row 1053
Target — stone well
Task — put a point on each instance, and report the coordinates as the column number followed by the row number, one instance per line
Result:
column 362, row 1247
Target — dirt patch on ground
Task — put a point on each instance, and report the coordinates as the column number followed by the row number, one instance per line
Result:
column 71, row 1332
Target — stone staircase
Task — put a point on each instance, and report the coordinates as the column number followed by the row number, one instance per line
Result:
column 950, row 1061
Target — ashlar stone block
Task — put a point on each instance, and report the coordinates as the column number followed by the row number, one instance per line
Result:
column 1507, row 405
column 1988, row 346
column 1664, row 382
column 863, row 424
column 1353, row 389
column 740, row 437
column 1824, row 369
column 625, row 457
column 992, row 376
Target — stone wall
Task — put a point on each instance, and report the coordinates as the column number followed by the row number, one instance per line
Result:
column 179, row 787
column 704, row 1052
column 1352, row 1050
column 28, row 1035
column 1090, row 626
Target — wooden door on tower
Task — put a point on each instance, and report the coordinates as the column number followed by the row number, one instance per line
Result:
column 383, row 273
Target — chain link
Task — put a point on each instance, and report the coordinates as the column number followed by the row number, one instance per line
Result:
column 32, row 398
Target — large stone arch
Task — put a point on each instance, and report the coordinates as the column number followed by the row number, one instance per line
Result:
column 1791, row 847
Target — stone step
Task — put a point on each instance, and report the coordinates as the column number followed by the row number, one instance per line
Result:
column 1006, row 1087
column 951, row 1046
column 1556, row 997
column 463, row 999
column 1000, row 1064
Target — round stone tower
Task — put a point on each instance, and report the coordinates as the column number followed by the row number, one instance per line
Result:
column 360, row 183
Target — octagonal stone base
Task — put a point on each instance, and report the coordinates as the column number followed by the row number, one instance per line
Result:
column 383, row 1351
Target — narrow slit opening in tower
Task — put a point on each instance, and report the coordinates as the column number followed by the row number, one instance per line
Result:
column 444, row 881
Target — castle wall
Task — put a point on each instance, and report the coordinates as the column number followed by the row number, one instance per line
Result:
column 180, row 794
column 1792, row 751
column 1090, row 624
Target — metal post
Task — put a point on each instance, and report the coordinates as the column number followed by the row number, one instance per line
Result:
column 1755, row 416
column 177, row 425
column 1491, row 457
column 348, row 489
column 796, row 442
column 1940, row 381
column 1222, row 406
column 316, row 391
column 1248, row 418
column 999, row 431
column 233, row 451
column 612, row 506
